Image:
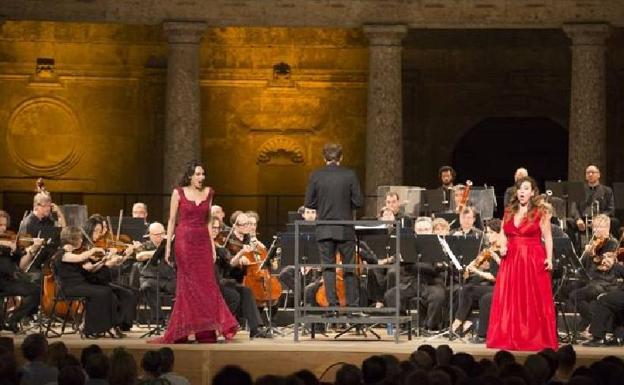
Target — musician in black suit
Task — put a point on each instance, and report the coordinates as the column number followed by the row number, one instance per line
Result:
column 334, row 192
column 599, row 199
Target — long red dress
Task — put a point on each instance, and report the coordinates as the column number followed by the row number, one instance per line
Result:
column 522, row 315
column 199, row 306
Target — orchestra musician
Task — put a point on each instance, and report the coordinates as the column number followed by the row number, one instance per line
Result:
column 217, row 211
column 334, row 192
column 479, row 278
column 393, row 203
column 11, row 282
column 432, row 289
column 601, row 265
column 511, row 190
column 139, row 210
column 447, row 175
column 466, row 223
column 125, row 312
column 71, row 263
column 38, row 220
column 441, row 226
column 598, row 199
column 155, row 276
column 230, row 270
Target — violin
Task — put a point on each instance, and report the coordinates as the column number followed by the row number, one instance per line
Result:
column 483, row 257
column 22, row 240
column 595, row 245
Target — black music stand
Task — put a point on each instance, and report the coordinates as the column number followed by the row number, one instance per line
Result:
column 156, row 260
column 136, row 228
column 566, row 265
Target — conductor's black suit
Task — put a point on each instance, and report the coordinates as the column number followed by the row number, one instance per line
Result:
column 334, row 192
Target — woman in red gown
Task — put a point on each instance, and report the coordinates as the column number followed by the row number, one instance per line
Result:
column 199, row 307
column 522, row 316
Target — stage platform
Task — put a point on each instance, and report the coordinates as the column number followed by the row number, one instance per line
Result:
column 281, row 355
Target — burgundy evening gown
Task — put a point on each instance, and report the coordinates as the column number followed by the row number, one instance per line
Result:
column 522, row 316
column 199, row 306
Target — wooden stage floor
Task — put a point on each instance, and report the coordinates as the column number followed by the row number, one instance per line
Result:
column 281, row 355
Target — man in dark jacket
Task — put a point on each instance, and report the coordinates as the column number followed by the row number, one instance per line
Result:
column 334, row 192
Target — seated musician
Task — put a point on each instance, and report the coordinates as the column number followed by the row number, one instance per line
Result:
column 217, row 211
column 155, row 276
column 38, row 220
column 479, row 278
column 599, row 261
column 441, row 227
column 598, row 199
column 377, row 279
column 11, row 282
column 239, row 298
column 393, row 202
column 139, row 210
column 466, row 223
column 432, row 290
column 126, row 299
column 71, row 264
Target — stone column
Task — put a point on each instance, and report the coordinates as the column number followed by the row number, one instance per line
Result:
column 588, row 132
column 384, row 129
column 183, row 109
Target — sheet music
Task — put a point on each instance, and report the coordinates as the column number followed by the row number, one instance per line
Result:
column 449, row 252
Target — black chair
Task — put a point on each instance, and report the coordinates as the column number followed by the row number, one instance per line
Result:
column 76, row 316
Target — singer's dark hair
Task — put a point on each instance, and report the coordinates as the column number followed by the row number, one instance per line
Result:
column 189, row 171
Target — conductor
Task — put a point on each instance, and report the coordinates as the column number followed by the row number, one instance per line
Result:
column 334, row 192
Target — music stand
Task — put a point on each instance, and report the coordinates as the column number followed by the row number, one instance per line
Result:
column 308, row 247
column 156, row 260
column 567, row 263
column 558, row 188
column 434, row 201
column 136, row 228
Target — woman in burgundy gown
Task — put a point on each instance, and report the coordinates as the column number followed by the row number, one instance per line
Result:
column 522, row 315
column 199, row 307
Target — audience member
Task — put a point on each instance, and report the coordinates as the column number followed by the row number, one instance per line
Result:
column 166, row 367
column 35, row 371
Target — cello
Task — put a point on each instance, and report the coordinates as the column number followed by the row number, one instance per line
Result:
column 265, row 287
column 341, row 293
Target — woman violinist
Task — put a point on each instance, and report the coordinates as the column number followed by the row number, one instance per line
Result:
column 479, row 278
column 70, row 263
column 126, row 299
column 11, row 283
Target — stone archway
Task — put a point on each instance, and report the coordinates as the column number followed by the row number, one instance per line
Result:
column 490, row 151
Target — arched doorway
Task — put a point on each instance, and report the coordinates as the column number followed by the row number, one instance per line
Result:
column 491, row 151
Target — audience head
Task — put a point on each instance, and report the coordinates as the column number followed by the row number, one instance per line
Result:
column 71, row 375
column 35, row 347
column 373, row 370
column 150, row 363
column 232, row 375
column 348, row 374
column 566, row 357
column 306, row 377
column 167, row 359
column 537, row 368
column 9, row 373
column 96, row 365
column 57, row 351
column 86, row 352
column 123, row 368
column 503, row 358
